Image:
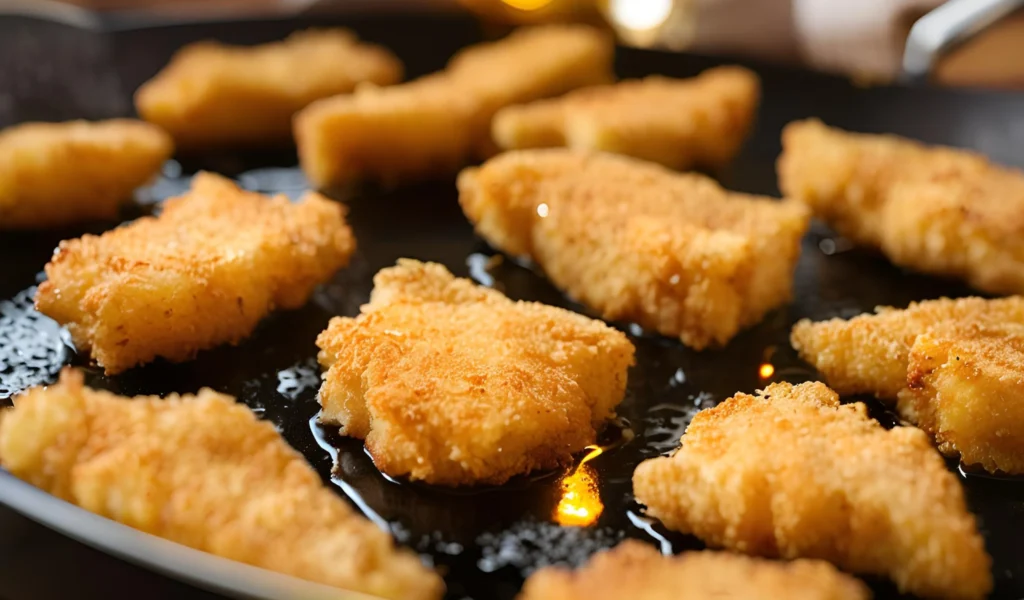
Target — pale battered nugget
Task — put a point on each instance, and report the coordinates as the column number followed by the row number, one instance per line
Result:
column 791, row 473
column 437, row 123
column 203, row 273
column 673, row 252
column 204, row 472
column 455, row 384
column 54, row 174
column 933, row 209
column 213, row 94
column 637, row 571
column 680, row 123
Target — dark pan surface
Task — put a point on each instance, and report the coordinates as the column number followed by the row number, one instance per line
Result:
column 487, row 539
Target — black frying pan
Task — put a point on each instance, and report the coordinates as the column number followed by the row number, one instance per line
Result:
column 485, row 539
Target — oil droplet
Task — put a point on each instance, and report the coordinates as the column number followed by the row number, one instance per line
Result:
column 766, row 370
column 580, row 504
column 678, row 378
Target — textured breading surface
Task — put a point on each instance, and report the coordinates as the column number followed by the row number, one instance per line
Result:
column 791, row 473
column 436, row 123
column 455, row 384
column 203, row 273
column 54, row 174
column 213, row 94
column 204, row 472
column 934, row 209
column 673, row 252
column 680, row 123
column 637, row 571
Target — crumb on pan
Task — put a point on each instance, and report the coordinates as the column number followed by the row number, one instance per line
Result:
column 437, row 123
column 454, row 384
column 202, row 471
column 203, row 273
column 934, row 209
column 791, row 473
column 679, row 123
column 214, row 94
column 672, row 252
column 638, row 571
column 54, row 174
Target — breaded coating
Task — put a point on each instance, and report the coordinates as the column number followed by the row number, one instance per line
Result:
column 638, row 571
column 437, row 123
column 933, row 209
column 214, row 94
column 869, row 354
column 791, row 473
column 680, row 123
column 455, row 384
column 202, row 471
column 203, row 273
column 54, row 174
column 636, row 242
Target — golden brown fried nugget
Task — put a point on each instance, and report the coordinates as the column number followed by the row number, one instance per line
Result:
column 938, row 210
column 436, row 123
column 455, row 384
column 213, row 94
column 204, row 472
column 203, row 273
column 680, row 123
column 791, row 473
column 53, row 174
column 637, row 571
column 673, row 252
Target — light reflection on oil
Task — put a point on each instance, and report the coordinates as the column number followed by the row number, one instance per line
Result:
column 766, row 370
column 542, row 210
column 580, row 504
column 528, row 4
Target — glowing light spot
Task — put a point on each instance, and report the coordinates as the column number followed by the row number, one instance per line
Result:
column 542, row 210
column 580, row 504
column 527, row 4
column 640, row 14
column 766, row 370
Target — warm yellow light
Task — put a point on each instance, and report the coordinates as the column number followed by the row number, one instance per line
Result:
column 766, row 370
column 527, row 4
column 542, row 210
column 580, row 504
column 640, row 14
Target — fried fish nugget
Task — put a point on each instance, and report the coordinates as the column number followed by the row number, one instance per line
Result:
column 437, row 123
column 635, row 570
column 54, row 174
column 455, row 384
column 869, row 354
column 933, row 209
column 204, row 472
column 203, row 273
column 965, row 387
column 680, row 123
column 792, row 473
column 673, row 252
column 213, row 94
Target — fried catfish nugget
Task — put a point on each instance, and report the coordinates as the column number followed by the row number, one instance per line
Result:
column 213, row 94
column 635, row 570
column 680, row 123
column 54, row 174
column 933, row 209
column 204, row 472
column 203, row 273
column 673, row 252
column 792, row 473
column 437, row 123
column 455, row 384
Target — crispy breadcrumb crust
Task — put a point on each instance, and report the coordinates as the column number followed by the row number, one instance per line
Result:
column 455, row 384
column 792, row 473
column 636, row 242
column 937, row 210
column 637, row 571
column 204, row 472
column 203, row 273
column 679, row 123
column 437, row 123
column 54, row 174
column 214, row 94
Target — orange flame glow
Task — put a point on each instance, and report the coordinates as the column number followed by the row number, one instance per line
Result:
column 766, row 370
column 580, row 504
